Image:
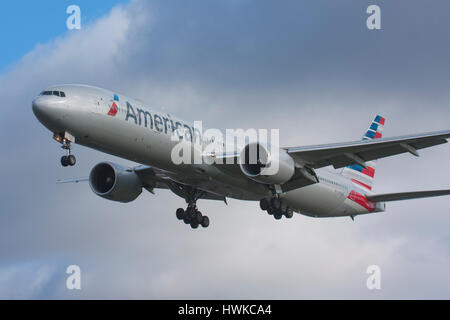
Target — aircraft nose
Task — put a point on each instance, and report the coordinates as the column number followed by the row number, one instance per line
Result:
column 47, row 111
column 39, row 107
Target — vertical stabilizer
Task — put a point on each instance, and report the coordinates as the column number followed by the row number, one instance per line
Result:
column 364, row 176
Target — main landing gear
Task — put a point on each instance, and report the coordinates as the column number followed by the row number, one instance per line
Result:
column 276, row 208
column 191, row 215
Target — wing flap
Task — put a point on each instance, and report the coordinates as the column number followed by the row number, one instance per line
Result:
column 151, row 178
column 406, row 195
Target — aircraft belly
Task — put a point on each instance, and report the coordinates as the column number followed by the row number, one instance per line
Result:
column 315, row 200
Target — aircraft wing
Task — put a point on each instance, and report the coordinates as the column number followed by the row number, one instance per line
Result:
column 406, row 195
column 340, row 155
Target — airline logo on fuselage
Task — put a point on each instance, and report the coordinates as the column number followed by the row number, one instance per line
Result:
column 114, row 108
column 161, row 123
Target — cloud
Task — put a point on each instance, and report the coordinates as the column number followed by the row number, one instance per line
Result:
column 313, row 71
column 25, row 280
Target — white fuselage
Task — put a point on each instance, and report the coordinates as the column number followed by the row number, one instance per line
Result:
column 142, row 134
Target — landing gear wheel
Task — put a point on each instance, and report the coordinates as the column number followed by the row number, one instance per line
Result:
column 275, row 203
column 278, row 216
column 194, row 225
column 264, row 204
column 71, row 160
column 205, row 222
column 289, row 213
column 64, row 161
column 190, row 214
column 271, row 211
column 180, row 214
column 199, row 217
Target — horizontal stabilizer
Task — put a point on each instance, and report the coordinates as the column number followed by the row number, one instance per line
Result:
column 73, row 180
column 406, row 195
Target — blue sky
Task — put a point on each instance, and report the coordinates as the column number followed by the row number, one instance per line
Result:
column 24, row 24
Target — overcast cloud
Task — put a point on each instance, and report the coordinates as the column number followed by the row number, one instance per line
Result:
column 310, row 68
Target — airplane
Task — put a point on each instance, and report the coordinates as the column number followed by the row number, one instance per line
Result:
column 118, row 125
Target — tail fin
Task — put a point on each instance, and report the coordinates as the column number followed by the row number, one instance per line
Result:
column 359, row 175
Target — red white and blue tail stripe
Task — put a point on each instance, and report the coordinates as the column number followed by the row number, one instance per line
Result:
column 363, row 177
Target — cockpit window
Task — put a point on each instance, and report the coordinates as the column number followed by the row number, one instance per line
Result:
column 53, row 93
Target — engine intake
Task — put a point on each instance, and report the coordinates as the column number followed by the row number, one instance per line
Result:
column 259, row 164
column 113, row 182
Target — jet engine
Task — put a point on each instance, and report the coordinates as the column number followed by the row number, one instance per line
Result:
column 259, row 164
column 113, row 182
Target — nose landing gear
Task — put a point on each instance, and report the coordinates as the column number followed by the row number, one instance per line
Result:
column 69, row 159
column 66, row 140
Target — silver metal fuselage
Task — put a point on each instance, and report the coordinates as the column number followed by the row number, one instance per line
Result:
column 83, row 113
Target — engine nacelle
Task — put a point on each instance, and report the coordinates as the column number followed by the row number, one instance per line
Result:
column 260, row 165
column 113, row 182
